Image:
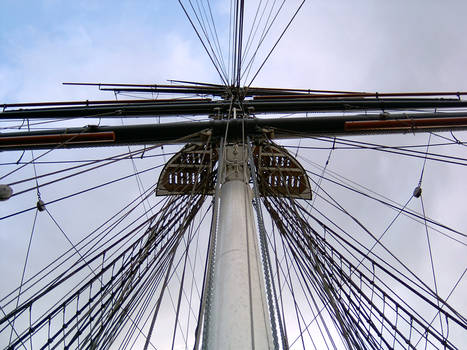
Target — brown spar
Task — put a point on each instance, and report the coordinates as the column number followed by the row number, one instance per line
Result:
column 363, row 94
column 99, row 102
column 400, row 124
column 275, row 128
column 59, row 139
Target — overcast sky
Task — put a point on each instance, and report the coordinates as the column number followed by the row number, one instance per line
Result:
column 357, row 45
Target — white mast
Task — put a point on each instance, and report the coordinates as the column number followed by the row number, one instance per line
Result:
column 238, row 313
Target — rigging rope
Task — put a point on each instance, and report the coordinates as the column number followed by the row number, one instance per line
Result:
column 355, row 304
column 270, row 288
column 107, row 302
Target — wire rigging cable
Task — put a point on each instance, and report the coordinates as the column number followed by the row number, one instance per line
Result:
column 119, row 290
column 353, row 300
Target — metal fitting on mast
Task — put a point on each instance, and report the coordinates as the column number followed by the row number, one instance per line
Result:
column 235, row 163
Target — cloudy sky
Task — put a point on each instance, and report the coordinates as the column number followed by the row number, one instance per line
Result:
column 357, row 45
column 362, row 45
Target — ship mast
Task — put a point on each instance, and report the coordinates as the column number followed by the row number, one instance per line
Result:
column 237, row 313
